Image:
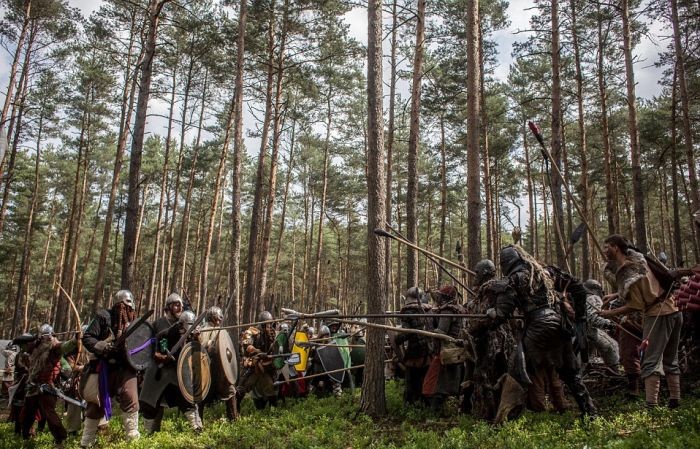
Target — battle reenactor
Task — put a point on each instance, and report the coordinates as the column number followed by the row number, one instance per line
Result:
column 598, row 327
column 640, row 290
column 160, row 381
column 44, row 372
column 258, row 373
column 107, row 364
column 493, row 343
column 416, row 354
column 544, row 342
column 220, row 348
column 321, row 385
column 25, row 343
column 446, row 369
column 8, row 374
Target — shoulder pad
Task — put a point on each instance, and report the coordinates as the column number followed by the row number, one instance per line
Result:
column 413, row 307
column 496, row 285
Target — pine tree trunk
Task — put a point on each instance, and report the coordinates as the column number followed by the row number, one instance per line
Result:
column 276, row 138
column 413, row 149
column 473, row 131
column 132, row 209
column 151, row 287
column 234, row 272
column 610, row 198
column 13, row 74
column 250, row 304
column 677, row 244
column 283, row 217
column 556, row 145
column 583, row 145
column 23, row 280
column 640, row 228
column 532, row 216
column 127, row 105
column 390, row 146
column 443, row 194
column 324, row 190
column 685, row 111
column 373, row 401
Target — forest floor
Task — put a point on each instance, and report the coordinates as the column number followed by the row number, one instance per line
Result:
column 334, row 423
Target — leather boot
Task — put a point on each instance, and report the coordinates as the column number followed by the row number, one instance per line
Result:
column 193, row 418
column 151, row 426
column 232, row 409
column 89, row 432
column 633, row 386
column 131, row 425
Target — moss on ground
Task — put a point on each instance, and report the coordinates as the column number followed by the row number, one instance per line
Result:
column 334, row 423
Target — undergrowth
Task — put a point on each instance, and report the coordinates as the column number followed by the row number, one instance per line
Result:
column 335, row 423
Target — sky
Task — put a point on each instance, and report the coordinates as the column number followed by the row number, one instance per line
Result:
column 519, row 12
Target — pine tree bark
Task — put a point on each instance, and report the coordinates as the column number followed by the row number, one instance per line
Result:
column 373, row 401
column 324, row 191
column 556, row 145
column 473, row 131
column 582, row 143
column 274, row 156
column 413, row 148
column 250, row 304
column 390, row 145
column 234, row 272
column 127, row 106
column 132, row 208
column 13, row 74
column 640, row 228
column 677, row 244
column 611, row 208
column 685, row 112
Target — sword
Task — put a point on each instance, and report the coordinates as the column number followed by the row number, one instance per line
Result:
column 53, row 391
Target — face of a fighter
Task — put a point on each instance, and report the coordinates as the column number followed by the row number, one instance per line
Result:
column 269, row 329
column 175, row 309
column 610, row 251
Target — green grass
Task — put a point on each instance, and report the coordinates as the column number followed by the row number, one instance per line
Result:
column 334, row 423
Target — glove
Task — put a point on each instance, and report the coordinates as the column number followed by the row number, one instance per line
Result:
column 459, row 343
column 491, row 313
column 103, row 347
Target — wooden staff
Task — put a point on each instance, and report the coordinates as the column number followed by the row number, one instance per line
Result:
column 383, row 233
column 436, row 263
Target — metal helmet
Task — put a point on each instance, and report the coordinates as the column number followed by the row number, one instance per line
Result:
column 126, row 297
column 334, row 325
column 284, row 327
column 173, row 297
column 310, row 330
column 509, row 258
column 485, row 270
column 663, row 257
column 187, row 318
column 265, row 316
column 594, row 287
column 324, row 331
column 214, row 313
column 413, row 293
column 46, row 331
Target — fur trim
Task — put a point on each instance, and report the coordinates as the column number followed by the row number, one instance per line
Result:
column 630, row 272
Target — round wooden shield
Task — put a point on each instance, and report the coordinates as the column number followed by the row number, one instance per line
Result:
column 300, row 338
column 193, row 372
column 227, row 356
column 140, row 346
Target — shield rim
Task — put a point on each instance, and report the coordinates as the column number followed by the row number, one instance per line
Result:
column 333, row 376
column 187, row 349
column 221, row 344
